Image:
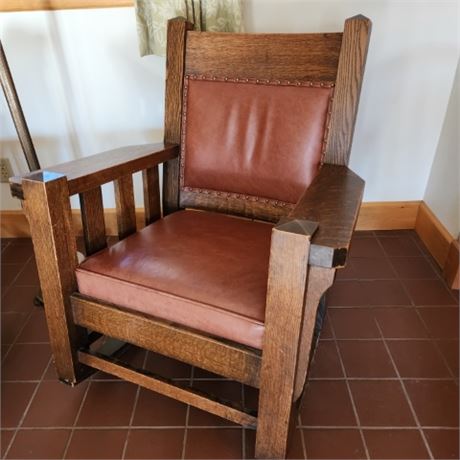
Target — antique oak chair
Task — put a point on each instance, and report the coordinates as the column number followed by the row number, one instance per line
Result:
column 257, row 126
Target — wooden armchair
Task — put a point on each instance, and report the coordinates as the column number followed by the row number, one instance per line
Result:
column 257, row 126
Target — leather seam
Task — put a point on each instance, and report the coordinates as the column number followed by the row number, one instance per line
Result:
column 241, row 196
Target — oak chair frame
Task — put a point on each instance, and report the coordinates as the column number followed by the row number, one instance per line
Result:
column 309, row 242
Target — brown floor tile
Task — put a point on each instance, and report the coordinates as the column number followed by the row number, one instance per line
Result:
column 26, row 362
column 28, row 276
column 327, row 403
column 395, row 444
column 417, row 359
column 413, row 268
column 365, row 293
column 381, row 403
column 55, row 405
column 148, row 444
column 435, row 402
column 429, row 292
column 400, row 322
column 108, row 404
column 7, row 435
column 333, row 444
column 35, row 329
column 8, row 273
column 214, row 443
column 295, row 447
column 17, row 254
column 39, row 444
column 365, row 247
column 19, row 299
column 154, row 409
column 326, row 362
column 225, row 389
column 353, row 323
column 366, row 358
column 367, row 268
column 442, row 322
column 444, row 444
column 12, row 323
column 450, row 350
column 15, row 398
column 400, row 246
column 96, row 444
column 167, row 367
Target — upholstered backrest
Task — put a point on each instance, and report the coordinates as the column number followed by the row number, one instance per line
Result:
column 247, row 139
column 257, row 114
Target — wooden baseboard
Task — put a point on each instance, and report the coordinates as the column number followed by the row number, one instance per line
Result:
column 441, row 244
column 451, row 271
column 433, row 233
column 372, row 216
column 387, row 215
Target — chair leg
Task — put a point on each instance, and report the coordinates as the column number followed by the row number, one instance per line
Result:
column 48, row 211
column 287, row 282
column 276, row 416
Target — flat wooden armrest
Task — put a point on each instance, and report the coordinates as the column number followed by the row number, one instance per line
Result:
column 89, row 172
column 332, row 200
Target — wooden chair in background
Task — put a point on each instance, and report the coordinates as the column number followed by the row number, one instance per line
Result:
column 258, row 126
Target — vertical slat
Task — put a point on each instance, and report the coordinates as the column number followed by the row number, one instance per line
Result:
column 287, row 282
column 48, row 209
column 92, row 216
column 350, row 73
column 175, row 64
column 126, row 211
column 152, row 205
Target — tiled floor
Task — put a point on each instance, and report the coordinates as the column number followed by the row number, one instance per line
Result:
column 383, row 384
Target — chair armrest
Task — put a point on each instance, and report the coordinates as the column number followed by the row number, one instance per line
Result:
column 89, row 172
column 333, row 200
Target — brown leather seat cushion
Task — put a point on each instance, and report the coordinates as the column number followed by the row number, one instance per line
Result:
column 204, row 270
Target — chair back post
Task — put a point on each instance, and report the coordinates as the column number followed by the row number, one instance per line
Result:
column 175, row 68
column 47, row 207
column 350, row 72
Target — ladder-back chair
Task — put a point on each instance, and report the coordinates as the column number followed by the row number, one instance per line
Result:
column 257, row 212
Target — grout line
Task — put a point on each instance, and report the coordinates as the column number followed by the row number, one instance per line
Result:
column 77, row 416
column 350, row 394
column 136, row 400
column 226, row 427
column 26, row 410
column 440, row 354
column 187, row 415
column 439, row 351
column 412, row 409
column 302, row 438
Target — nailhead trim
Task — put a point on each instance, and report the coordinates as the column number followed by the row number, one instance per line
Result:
column 252, row 198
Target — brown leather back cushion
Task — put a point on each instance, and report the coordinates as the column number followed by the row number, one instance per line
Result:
column 262, row 139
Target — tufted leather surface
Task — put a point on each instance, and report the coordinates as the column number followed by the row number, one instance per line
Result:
column 204, row 270
column 261, row 140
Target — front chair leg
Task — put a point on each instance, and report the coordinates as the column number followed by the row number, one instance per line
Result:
column 287, row 283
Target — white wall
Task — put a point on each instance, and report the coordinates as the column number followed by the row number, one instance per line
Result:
column 443, row 190
column 84, row 87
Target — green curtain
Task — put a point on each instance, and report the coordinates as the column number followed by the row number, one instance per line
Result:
column 210, row 15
